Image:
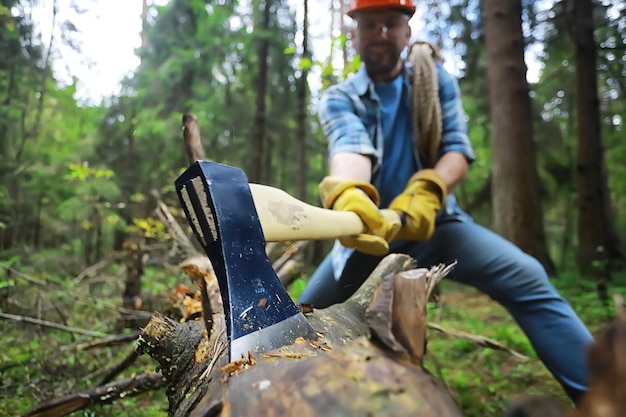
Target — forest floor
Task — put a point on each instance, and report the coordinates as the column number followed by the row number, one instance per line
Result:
column 38, row 362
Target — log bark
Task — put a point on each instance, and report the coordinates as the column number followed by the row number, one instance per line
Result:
column 343, row 373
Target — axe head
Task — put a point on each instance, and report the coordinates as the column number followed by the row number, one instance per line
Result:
column 260, row 315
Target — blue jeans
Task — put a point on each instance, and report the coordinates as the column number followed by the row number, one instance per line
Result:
column 495, row 266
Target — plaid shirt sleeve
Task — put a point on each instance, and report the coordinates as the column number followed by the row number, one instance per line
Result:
column 339, row 115
column 454, row 135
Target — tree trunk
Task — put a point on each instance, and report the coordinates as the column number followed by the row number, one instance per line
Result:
column 144, row 27
column 45, row 73
column 515, row 187
column 343, row 373
column 258, row 128
column 597, row 240
column 131, row 298
column 303, row 125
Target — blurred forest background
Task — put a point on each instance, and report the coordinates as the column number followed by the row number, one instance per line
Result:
column 80, row 182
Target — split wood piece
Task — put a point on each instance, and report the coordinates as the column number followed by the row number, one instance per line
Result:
column 397, row 314
column 104, row 394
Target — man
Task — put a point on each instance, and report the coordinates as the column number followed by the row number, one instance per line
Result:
column 375, row 163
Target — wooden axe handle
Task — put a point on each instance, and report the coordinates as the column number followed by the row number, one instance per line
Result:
column 284, row 217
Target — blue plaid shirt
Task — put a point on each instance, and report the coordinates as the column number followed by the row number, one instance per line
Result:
column 350, row 116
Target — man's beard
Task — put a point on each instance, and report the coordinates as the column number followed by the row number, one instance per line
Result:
column 380, row 62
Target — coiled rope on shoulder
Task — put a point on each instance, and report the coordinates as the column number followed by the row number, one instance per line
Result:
column 426, row 109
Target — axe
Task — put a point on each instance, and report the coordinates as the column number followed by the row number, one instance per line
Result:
column 232, row 220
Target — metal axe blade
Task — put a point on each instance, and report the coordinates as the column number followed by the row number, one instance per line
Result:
column 218, row 204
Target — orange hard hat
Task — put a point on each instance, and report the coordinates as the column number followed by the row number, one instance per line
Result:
column 405, row 6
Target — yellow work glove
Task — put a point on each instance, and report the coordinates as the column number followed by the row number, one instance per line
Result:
column 420, row 201
column 362, row 198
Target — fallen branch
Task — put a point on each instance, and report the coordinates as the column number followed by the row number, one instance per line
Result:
column 289, row 272
column 103, row 394
column 88, row 271
column 478, row 340
column 293, row 250
column 27, row 278
column 175, row 230
column 116, row 340
column 118, row 368
column 131, row 314
column 53, row 325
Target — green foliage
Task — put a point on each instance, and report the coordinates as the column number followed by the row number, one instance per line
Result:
column 39, row 363
column 296, row 288
column 148, row 227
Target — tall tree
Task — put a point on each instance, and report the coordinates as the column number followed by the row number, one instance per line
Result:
column 34, row 107
column 303, row 105
column 259, row 121
column 597, row 240
column 144, row 24
column 515, row 181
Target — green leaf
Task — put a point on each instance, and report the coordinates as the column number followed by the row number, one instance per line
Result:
column 305, row 64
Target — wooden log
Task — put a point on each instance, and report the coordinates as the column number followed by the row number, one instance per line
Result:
column 343, row 373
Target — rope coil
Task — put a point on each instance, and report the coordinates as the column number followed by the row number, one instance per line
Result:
column 426, row 109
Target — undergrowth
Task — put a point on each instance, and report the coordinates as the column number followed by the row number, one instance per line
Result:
column 38, row 363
